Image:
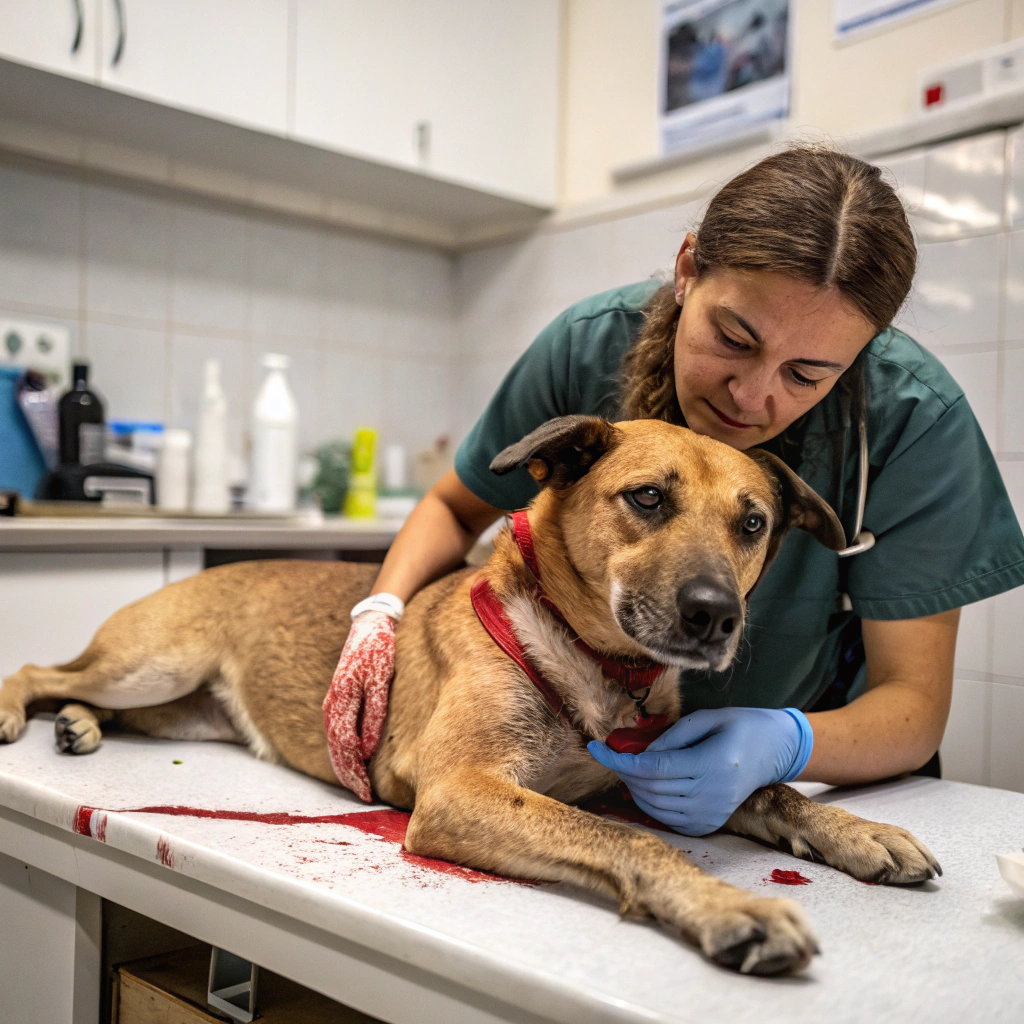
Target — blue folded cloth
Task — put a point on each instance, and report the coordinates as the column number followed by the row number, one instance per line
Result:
column 21, row 461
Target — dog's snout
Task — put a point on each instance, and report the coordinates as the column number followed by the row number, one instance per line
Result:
column 709, row 610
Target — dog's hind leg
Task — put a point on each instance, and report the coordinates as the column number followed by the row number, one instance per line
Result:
column 196, row 716
column 33, row 683
column 868, row 850
column 109, row 675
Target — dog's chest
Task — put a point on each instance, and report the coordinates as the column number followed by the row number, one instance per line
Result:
column 596, row 704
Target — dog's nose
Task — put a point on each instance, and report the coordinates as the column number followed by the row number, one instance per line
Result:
column 709, row 610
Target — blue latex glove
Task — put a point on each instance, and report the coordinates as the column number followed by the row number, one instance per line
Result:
column 697, row 773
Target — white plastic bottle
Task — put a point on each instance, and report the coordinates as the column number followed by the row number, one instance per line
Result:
column 172, row 470
column 211, row 490
column 275, row 420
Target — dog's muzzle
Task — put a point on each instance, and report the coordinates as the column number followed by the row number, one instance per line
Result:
column 702, row 631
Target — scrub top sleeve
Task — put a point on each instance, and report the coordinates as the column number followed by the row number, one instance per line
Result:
column 534, row 391
column 946, row 534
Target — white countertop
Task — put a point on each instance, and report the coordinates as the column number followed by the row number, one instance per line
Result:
column 947, row 950
column 43, row 533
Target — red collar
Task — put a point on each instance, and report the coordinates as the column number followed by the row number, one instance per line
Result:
column 631, row 674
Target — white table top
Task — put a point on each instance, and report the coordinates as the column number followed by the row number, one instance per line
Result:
column 42, row 533
column 948, row 950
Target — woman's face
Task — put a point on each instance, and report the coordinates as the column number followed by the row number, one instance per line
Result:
column 755, row 350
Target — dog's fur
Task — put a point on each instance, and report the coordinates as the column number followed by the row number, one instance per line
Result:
column 245, row 652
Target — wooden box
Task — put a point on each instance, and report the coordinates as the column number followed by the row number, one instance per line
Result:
column 171, row 989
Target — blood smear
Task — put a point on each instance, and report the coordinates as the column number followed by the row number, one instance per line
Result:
column 787, row 877
column 389, row 824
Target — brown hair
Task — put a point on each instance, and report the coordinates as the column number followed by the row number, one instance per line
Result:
column 816, row 214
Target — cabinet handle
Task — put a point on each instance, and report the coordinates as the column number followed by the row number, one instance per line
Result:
column 79, row 25
column 423, row 142
column 122, row 33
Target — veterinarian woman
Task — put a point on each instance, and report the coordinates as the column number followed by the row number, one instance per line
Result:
column 775, row 332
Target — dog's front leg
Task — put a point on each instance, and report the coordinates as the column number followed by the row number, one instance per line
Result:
column 483, row 819
column 868, row 850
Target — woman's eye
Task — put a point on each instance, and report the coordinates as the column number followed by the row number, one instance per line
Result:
column 646, row 498
column 753, row 524
column 804, row 382
column 731, row 342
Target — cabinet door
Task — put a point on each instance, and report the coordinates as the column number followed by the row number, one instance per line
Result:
column 224, row 58
column 57, row 35
column 481, row 76
column 53, row 602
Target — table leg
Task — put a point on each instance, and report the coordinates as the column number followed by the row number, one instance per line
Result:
column 50, row 934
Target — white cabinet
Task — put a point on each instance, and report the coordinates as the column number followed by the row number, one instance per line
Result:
column 58, row 35
column 227, row 59
column 53, row 602
column 465, row 89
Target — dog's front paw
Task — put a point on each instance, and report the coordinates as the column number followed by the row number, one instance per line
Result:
column 77, row 730
column 12, row 724
column 875, row 852
column 757, row 935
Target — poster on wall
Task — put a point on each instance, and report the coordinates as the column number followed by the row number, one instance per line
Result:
column 725, row 68
column 853, row 17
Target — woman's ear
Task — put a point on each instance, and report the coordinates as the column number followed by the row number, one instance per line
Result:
column 686, row 271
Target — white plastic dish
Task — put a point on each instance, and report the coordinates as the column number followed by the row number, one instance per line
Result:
column 1011, row 867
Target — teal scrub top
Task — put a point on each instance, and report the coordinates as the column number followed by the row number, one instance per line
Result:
column 946, row 534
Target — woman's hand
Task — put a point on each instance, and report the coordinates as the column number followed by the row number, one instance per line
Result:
column 361, row 683
column 697, row 773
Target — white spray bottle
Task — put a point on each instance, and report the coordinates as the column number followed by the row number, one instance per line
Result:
column 275, row 421
column 211, row 491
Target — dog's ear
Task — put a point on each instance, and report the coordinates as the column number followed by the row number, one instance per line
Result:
column 800, row 506
column 560, row 451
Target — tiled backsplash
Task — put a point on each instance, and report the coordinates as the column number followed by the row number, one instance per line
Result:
column 151, row 285
column 416, row 342
column 967, row 205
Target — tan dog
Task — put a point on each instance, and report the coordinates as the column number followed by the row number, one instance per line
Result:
column 648, row 538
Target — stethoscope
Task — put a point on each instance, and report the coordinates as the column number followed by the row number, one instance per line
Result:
column 863, row 540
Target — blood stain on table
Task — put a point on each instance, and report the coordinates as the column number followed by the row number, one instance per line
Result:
column 163, row 848
column 389, row 824
column 787, row 877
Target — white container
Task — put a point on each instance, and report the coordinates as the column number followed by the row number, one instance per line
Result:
column 211, row 492
column 275, row 421
column 395, row 462
column 172, row 471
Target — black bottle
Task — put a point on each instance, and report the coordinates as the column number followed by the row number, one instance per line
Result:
column 78, row 406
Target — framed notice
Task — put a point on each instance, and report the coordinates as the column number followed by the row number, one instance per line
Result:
column 724, row 68
column 853, row 17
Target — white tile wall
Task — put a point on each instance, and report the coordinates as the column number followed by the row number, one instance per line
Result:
column 152, row 285
column 39, row 240
column 967, row 306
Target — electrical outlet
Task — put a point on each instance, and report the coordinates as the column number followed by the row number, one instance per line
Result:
column 37, row 345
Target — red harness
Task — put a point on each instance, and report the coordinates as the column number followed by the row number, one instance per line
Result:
column 633, row 674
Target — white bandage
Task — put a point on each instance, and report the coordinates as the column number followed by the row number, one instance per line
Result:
column 392, row 606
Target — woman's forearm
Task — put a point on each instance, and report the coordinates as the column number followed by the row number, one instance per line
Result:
column 887, row 731
column 897, row 724
column 435, row 538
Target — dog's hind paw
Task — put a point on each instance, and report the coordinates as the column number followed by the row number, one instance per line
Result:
column 77, row 730
column 12, row 724
column 760, row 936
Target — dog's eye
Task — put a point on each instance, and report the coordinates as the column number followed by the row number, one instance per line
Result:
column 647, row 499
column 753, row 524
